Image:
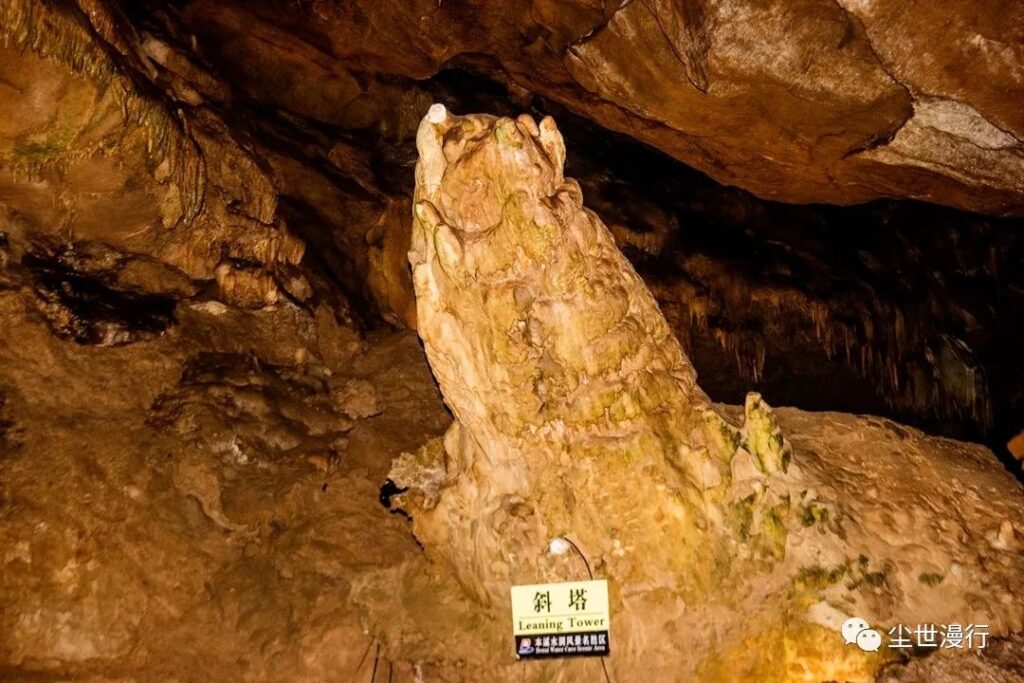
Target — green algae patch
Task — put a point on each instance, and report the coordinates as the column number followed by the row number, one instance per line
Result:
column 813, row 514
column 34, row 152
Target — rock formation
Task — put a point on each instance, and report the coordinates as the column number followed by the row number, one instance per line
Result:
column 810, row 101
column 159, row 127
column 86, row 153
column 205, row 220
column 578, row 417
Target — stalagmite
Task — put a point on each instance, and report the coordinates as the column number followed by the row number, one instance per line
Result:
column 578, row 417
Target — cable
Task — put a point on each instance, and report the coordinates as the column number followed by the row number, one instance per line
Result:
column 376, row 660
column 591, row 575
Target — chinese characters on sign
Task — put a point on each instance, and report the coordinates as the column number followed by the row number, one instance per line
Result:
column 561, row 619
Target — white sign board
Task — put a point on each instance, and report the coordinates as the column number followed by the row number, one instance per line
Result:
column 569, row 619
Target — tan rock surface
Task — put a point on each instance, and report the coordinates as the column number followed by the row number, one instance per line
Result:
column 88, row 154
column 578, row 416
column 205, row 205
column 165, row 512
column 197, row 506
column 182, row 147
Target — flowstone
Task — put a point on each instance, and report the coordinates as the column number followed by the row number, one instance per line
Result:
column 578, row 417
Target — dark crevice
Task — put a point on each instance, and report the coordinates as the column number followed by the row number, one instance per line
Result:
column 388, row 490
column 334, row 271
column 84, row 307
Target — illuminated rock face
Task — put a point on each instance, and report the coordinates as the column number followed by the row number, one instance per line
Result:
column 131, row 170
column 564, row 377
column 578, row 416
column 193, row 433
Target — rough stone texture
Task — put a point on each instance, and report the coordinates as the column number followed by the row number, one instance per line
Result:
column 578, row 416
column 201, row 202
column 1002, row 663
column 815, row 100
column 197, row 505
column 162, row 131
column 88, row 154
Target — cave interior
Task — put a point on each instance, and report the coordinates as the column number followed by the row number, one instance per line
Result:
column 210, row 351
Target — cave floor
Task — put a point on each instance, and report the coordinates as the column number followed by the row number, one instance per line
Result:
column 198, row 505
column 205, row 504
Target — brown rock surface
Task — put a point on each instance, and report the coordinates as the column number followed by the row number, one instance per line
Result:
column 198, row 505
column 88, row 154
column 221, row 168
column 204, row 220
column 799, row 101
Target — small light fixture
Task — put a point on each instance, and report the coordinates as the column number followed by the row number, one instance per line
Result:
column 559, row 546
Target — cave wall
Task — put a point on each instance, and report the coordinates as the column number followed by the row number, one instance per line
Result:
column 893, row 307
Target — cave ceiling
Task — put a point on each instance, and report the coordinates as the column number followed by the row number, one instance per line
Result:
column 809, row 101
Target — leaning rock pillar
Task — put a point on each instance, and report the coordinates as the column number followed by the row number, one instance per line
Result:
column 578, row 418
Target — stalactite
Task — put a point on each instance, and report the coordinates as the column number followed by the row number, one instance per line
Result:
column 238, row 216
column 30, row 25
column 879, row 343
